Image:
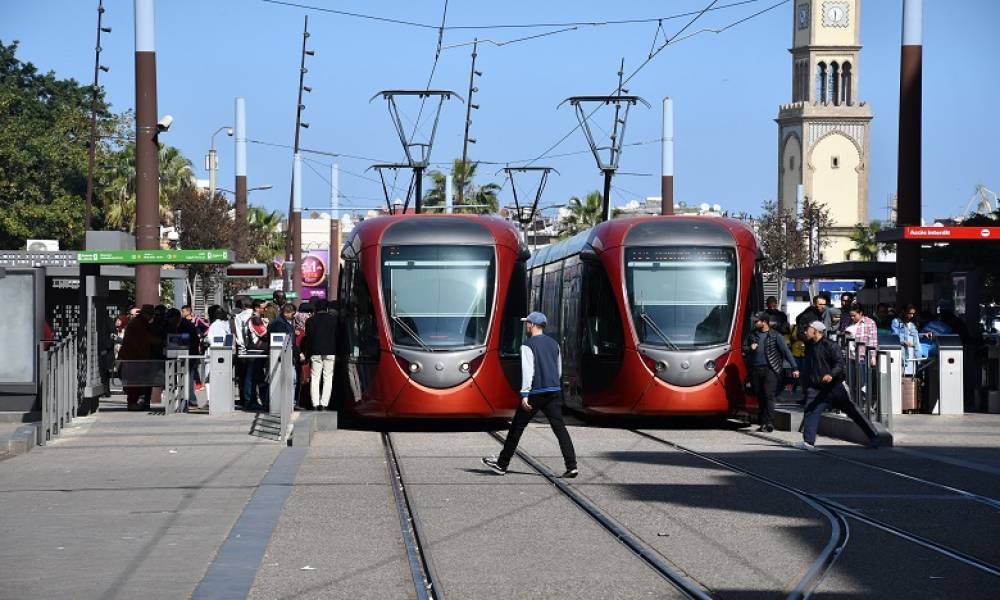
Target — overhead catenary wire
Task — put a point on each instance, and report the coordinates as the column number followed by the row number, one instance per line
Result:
column 670, row 41
column 592, row 23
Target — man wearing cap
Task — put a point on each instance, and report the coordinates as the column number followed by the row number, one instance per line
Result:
column 765, row 350
column 541, row 390
column 826, row 388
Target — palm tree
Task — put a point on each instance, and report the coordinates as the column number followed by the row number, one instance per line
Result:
column 582, row 214
column 866, row 246
column 176, row 176
column 483, row 199
column 265, row 238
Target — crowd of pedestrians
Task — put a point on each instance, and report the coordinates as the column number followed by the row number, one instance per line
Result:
column 809, row 355
column 141, row 335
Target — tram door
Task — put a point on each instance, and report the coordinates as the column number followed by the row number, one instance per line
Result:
column 603, row 343
column 572, row 281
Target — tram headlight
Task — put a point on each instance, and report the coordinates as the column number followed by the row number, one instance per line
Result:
column 464, row 367
column 662, row 366
column 709, row 365
column 414, row 367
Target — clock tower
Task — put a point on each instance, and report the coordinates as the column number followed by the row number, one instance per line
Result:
column 823, row 133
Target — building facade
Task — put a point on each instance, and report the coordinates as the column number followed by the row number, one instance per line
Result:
column 823, row 133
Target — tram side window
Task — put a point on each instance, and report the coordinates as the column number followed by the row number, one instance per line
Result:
column 535, row 301
column 361, row 330
column 551, row 299
column 604, row 336
column 515, row 307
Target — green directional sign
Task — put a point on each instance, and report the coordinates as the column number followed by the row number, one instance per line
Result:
column 154, row 257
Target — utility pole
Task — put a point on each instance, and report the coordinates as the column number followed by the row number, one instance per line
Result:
column 147, row 165
column 468, row 123
column 908, row 273
column 667, row 173
column 293, row 238
column 240, row 205
column 92, row 150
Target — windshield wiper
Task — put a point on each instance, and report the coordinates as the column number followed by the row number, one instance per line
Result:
column 666, row 340
column 411, row 333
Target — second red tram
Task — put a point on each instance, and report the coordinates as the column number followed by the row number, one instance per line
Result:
column 650, row 312
column 431, row 307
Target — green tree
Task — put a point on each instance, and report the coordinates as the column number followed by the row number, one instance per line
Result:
column 480, row 199
column 583, row 214
column 266, row 238
column 176, row 178
column 866, row 247
column 44, row 135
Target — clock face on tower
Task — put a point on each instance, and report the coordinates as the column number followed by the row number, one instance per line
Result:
column 835, row 13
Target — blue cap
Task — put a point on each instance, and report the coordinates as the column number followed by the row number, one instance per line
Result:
column 536, row 318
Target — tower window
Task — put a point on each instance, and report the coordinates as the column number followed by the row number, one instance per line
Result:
column 821, row 82
column 834, row 162
column 846, row 85
column 791, row 163
column 835, row 83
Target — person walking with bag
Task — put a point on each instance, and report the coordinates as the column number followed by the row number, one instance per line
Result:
column 541, row 390
column 321, row 346
column 766, row 351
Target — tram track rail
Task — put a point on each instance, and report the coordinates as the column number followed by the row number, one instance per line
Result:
column 425, row 581
column 972, row 496
column 836, row 508
column 681, row 582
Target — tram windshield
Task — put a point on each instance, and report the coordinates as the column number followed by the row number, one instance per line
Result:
column 438, row 297
column 681, row 297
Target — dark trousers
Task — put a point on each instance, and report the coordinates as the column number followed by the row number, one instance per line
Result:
column 835, row 396
column 764, row 382
column 254, row 388
column 549, row 403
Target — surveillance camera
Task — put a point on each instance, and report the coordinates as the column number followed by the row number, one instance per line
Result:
column 229, row 132
column 165, row 123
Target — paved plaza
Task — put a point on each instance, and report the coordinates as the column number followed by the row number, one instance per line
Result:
column 126, row 505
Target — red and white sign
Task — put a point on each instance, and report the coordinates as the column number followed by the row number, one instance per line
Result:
column 951, row 233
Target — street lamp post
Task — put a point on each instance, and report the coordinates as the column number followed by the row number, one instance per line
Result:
column 212, row 160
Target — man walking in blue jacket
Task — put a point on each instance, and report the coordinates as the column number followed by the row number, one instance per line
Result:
column 541, row 390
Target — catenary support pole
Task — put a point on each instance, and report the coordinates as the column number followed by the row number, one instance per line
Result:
column 92, row 148
column 908, row 177
column 241, row 180
column 606, row 199
column 147, row 167
column 418, row 189
column 334, row 192
column 296, row 230
column 449, row 200
column 667, row 173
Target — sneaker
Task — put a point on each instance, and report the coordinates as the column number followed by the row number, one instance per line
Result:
column 761, row 428
column 769, row 429
column 570, row 474
column 494, row 466
column 805, row 446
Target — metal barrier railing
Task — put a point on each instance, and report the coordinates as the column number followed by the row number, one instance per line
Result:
column 178, row 384
column 869, row 380
column 60, row 387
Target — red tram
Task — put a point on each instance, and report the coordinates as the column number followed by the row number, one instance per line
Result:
column 432, row 307
column 650, row 313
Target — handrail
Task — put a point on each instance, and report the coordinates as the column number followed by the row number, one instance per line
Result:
column 59, row 389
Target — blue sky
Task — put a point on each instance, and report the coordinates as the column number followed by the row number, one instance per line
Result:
column 726, row 89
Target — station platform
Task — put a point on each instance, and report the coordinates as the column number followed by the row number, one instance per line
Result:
column 125, row 504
